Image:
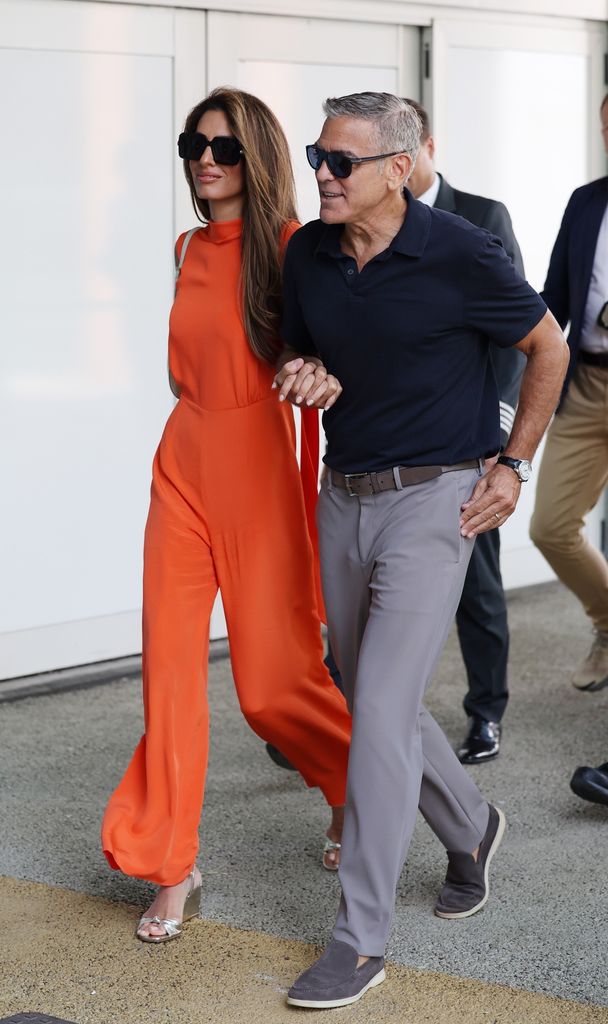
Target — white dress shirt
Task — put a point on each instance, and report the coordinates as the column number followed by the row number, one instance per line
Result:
column 594, row 338
column 430, row 196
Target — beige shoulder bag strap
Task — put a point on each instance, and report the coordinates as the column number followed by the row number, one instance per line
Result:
column 179, row 261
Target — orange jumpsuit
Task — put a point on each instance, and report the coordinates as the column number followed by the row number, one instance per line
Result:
column 227, row 511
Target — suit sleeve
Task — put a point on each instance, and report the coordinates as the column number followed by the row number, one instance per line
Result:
column 509, row 365
column 556, row 292
column 498, row 222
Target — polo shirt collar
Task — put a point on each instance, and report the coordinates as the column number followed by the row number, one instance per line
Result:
column 410, row 240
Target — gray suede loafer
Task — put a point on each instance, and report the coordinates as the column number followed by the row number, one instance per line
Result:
column 467, row 887
column 335, row 979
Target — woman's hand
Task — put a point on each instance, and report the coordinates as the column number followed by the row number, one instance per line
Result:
column 306, row 381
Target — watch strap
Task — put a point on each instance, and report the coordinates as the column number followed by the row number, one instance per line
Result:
column 514, row 464
column 521, row 467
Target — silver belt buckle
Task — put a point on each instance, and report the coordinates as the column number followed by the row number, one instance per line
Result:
column 352, row 476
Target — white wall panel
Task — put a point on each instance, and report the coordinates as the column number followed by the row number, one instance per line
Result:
column 86, row 27
column 408, row 12
column 294, row 64
column 189, row 87
column 522, row 163
column 515, row 118
column 529, row 107
column 92, row 197
column 87, row 212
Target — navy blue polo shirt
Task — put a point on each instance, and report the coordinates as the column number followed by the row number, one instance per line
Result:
column 408, row 337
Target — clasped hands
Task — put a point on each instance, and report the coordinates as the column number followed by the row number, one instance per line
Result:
column 307, row 382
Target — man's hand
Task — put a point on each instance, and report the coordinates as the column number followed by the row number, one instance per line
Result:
column 491, row 503
column 496, row 494
column 307, row 381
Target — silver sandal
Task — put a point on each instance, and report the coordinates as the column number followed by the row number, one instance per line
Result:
column 173, row 928
column 330, row 847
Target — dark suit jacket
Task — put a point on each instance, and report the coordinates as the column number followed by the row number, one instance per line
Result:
column 509, row 363
column 571, row 263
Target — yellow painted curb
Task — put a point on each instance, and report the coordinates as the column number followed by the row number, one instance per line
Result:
column 75, row 957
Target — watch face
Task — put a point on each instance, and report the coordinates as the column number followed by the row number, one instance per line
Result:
column 525, row 470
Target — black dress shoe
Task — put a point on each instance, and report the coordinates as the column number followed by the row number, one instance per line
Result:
column 275, row 755
column 481, row 743
column 591, row 784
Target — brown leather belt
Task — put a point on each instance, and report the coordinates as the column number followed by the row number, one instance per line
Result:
column 358, row 485
column 593, row 358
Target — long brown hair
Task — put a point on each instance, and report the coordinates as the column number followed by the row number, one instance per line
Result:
column 269, row 204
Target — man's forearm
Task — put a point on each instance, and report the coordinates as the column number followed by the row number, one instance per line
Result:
column 496, row 493
column 540, row 390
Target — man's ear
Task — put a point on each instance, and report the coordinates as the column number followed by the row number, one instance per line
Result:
column 400, row 170
column 430, row 146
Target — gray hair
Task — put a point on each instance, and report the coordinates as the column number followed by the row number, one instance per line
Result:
column 398, row 126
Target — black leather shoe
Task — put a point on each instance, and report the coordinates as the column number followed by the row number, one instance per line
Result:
column 591, row 784
column 481, row 743
column 275, row 755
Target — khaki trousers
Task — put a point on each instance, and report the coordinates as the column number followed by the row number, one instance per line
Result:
column 572, row 476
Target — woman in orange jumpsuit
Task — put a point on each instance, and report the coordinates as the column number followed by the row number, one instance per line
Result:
column 227, row 511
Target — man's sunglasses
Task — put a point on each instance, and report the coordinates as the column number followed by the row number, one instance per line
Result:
column 340, row 165
column 225, row 149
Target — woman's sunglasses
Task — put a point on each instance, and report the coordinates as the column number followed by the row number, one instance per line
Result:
column 340, row 165
column 224, row 148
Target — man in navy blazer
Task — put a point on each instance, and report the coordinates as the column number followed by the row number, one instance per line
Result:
column 574, row 468
column 481, row 618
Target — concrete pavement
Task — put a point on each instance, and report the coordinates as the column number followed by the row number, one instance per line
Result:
column 543, row 931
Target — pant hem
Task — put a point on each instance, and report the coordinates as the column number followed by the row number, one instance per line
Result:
column 343, row 936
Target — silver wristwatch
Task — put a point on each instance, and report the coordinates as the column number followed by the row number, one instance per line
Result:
column 522, row 467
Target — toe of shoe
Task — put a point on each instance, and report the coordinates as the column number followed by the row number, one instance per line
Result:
column 581, row 684
column 587, row 682
column 590, row 784
column 477, row 758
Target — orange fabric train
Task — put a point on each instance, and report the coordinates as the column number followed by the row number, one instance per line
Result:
column 227, row 510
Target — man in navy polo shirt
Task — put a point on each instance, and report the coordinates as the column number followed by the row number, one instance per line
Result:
column 390, row 307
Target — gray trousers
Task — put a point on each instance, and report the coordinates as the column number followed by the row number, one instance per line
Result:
column 393, row 567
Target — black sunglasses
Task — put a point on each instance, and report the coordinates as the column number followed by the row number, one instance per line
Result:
column 340, row 165
column 224, row 148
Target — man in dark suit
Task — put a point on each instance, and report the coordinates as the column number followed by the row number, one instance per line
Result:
column 482, row 614
column 574, row 468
